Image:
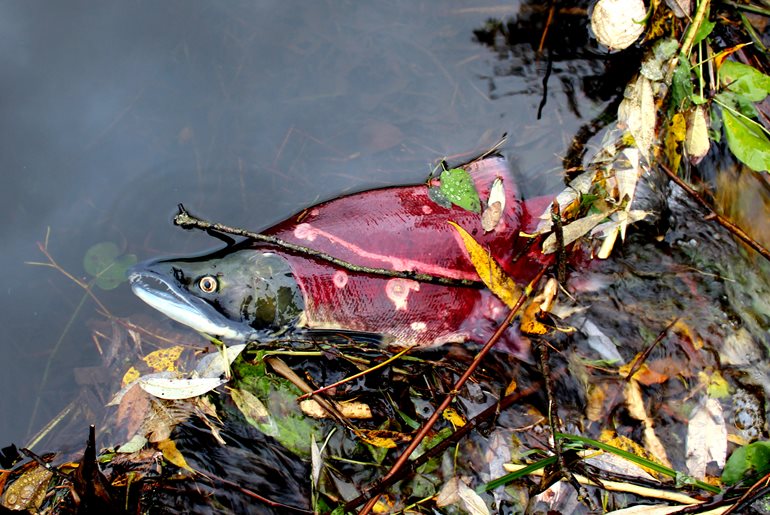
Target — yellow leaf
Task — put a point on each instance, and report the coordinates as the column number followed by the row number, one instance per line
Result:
column 164, row 360
column 453, row 417
column 677, row 129
column 511, row 387
column 529, row 322
column 622, row 442
column 489, row 271
column 132, row 374
column 172, row 454
column 377, row 441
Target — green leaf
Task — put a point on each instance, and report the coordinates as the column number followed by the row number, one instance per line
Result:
column 749, row 460
column 681, row 87
column 738, row 102
column 434, row 193
column 704, row 30
column 457, row 186
column 747, row 141
column 104, row 262
column 744, row 80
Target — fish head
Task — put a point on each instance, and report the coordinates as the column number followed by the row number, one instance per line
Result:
column 236, row 294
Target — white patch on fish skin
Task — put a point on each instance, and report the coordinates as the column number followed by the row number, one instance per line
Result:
column 419, row 326
column 340, row 279
column 427, row 209
column 398, row 290
column 305, row 232
column 314, row 212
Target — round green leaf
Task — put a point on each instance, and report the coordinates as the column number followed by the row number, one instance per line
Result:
column 457, row 186
column 104, row 262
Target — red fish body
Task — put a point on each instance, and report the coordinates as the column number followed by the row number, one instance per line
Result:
column 401, row 229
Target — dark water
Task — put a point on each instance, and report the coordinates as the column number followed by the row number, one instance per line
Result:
column 112, row 113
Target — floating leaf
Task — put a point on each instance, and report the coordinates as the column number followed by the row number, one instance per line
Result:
column 164, row 359
column 747, row 141
column 28, row 492
column 749, row 460
column 457, row 186
column 745, row 80
column 172, row 388
column 489, row 271
column 104, row 262
column 172, row 454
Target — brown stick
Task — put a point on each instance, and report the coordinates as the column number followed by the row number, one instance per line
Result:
column 403, row 459
column 727, row 224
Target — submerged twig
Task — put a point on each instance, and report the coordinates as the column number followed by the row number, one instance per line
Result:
column 727, row 224
column 186, row 220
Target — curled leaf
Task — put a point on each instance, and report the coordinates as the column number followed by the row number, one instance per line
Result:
column 495, row 205
column 618, row 23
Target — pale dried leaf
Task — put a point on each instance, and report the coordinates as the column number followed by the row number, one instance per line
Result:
column 647, row 509
column 637, row 112
column 706, row 437
column 697, row 141
column 135, row 444
column 573, row 231
column 495, row 206
column 680, row 8
column 352, row 410
column 173, row 388
column 316, row 461
column 599, row 342
column 455, row 491
column 635, row 405
column 618, row 23
column 578, row 186
column 217, row 364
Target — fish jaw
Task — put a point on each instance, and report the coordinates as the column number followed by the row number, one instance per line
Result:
column 177, row 304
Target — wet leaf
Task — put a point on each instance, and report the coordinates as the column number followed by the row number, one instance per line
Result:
column 681, row 84
column 618, row 23
column 489, row 271
column 697, row 142
column 135, row 444
column 376, row 440
column 455, row 491
column 745, row 80
column 638, row 113
column 217, row 364
column 747, row 461
column 435, row 194
column 104, row 262
column 254, row 411
column 131, row 375
column 172, row 454
column 529, row 322
column 173, row 388
column 495, row 206
column 454, row 418
column 706, row 437
column 352, row 409
column 27, row 492
column 164, row 359
column 747, row 141
column 706, row 26
column 680, row 8
column 573, row 231
column 457, row 186
column 675, row 135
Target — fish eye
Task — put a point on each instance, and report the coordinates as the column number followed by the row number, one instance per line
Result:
column 208, row 284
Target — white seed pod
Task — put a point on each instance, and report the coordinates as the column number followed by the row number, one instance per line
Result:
column 618, row 23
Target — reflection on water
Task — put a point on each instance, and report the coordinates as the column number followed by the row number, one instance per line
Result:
column 246, row 112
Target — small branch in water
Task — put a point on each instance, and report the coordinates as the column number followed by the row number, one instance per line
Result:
column 727, row 224
column 187, row 221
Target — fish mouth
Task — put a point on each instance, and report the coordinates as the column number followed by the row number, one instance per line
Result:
column 176, row 303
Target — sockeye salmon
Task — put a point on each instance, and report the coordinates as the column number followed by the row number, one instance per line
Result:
column 255, row 290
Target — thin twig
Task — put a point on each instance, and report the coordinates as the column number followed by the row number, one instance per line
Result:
column 186, row 220
column 734, row 229
column 639, row 361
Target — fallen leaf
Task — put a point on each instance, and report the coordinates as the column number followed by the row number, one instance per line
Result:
column 458, row 187
column 454, row 418
column 495, row 206
column 697, row 141
column 352, row 410
column 28, row 491
column 455, row 491
column 573, row 231
column 489, row 271
column 172, row 454
column 618, row 23
column 131, row 375
column 675, row 136
column 173, row 388
column 706, row 437
column 164, row 359
column 637, row 112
